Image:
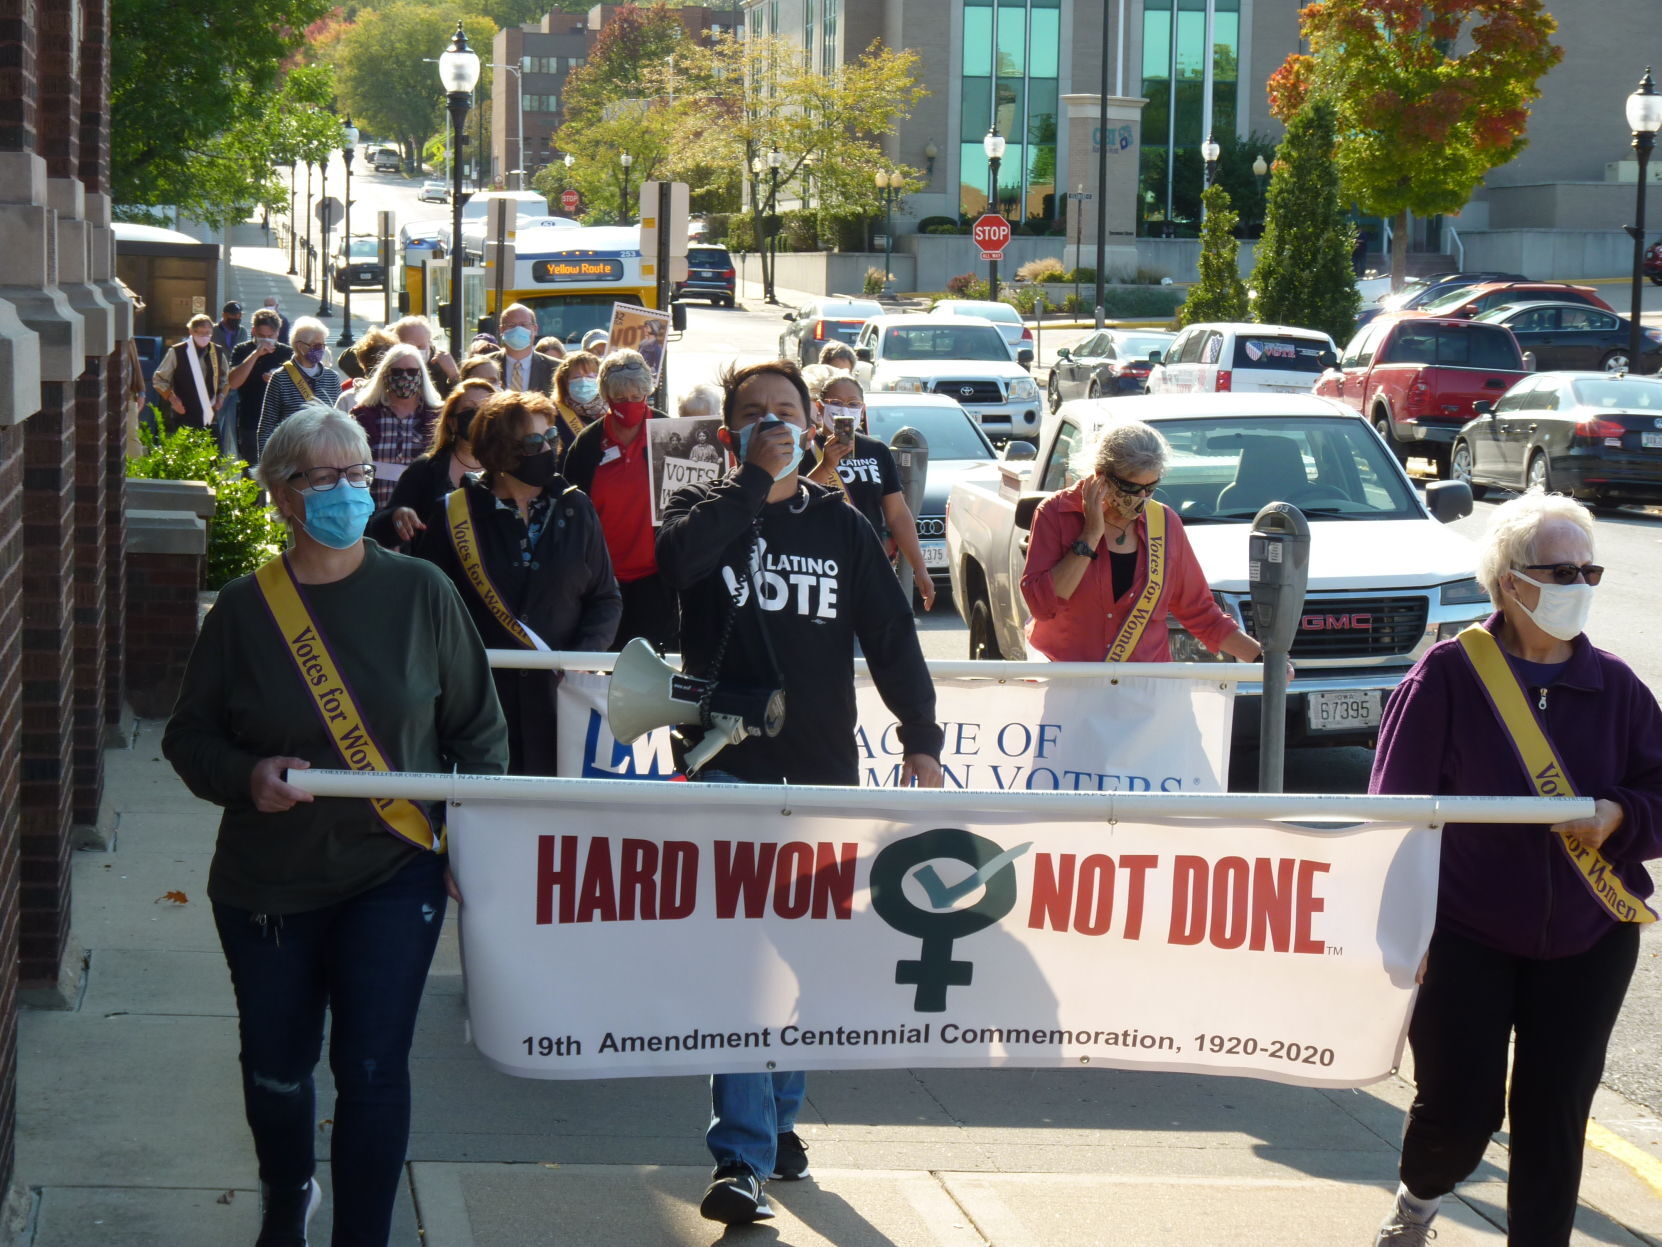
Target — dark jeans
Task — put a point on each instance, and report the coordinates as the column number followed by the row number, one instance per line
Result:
column 363, row 960
column 1558, row 1014
column 650, row 609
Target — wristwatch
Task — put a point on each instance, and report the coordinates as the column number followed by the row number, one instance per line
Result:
column 1079, row 547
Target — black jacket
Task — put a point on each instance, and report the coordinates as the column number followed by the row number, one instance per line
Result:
column 824, row 584
column 582, row 457
column 564, row 593
column 425, row 482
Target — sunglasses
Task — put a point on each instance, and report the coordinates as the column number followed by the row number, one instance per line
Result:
column 1568, row 573
column 536, row 443
column 1131, row 488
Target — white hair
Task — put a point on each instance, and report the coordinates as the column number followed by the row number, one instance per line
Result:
column 313, row 429
column 703, row 399
column 1514, row 528
column 1127, row 446
column 311, row 324
column 374, row 389
column 624, row 368
column 401, row 327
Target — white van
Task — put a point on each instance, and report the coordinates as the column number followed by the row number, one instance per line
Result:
column 1242, row 359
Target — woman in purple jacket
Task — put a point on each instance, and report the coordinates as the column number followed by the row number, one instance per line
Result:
column 1537, row 928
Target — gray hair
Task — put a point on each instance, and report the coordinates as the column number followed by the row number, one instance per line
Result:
column 313, row 428
column 833, row 353
column 1514, row 528
column 814, row 376
column 312, row 325
column 703, row 399
column 374, row 389
column 625, row 369
column 1126, row 446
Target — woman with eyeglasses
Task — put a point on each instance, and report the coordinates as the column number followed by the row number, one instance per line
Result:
column 306, row 378
column 1537, row 927
column 398, row 409
column 1107, row 564
column 430, row 477
column 336, row 654
column 525, row 550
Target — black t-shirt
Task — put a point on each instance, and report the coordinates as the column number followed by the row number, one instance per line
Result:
column 871, row 476
column 254, row 387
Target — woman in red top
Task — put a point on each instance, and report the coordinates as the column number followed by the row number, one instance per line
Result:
column 1087, row 575
column 607, row 461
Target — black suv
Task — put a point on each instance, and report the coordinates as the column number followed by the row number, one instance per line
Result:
column 709, row 275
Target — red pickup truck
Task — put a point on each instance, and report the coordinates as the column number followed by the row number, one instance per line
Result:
column 1415, row 378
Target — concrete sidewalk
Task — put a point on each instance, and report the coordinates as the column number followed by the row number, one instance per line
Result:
column 131, row 1132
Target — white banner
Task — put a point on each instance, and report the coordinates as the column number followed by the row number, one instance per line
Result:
column 1107, row 733
column 604, row 939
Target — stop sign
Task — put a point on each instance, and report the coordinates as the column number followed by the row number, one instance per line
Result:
column 992, row 234
column 569, row 200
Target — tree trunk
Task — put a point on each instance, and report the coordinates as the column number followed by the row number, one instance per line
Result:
column 1399, row 251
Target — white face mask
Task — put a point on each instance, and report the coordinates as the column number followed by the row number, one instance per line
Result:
column 201, row 339
column 1561, row 611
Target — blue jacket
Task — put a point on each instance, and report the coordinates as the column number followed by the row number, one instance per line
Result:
column 1512, row 887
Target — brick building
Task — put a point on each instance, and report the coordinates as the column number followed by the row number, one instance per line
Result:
column 63, row 320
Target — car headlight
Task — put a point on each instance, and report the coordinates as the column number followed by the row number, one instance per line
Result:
column 909, row 385
column 1024, row 390
column 1184, row 648
column 1462, row 593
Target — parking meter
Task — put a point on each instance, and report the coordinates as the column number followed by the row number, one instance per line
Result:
column 911, row 460
column 1278, row 568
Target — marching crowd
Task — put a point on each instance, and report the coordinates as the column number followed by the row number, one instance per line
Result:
column 438, row 508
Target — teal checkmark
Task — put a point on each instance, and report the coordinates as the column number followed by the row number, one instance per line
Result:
column 943, row 897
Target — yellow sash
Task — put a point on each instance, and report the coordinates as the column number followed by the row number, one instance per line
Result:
column 1545, row 769
column 460, row 522
column 331, row 695
column 1131, row 631
column 300, row 382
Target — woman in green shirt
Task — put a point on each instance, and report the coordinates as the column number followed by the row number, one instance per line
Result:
column 337, row 654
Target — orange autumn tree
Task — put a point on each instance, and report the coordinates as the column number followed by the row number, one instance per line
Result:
column 1429, row 96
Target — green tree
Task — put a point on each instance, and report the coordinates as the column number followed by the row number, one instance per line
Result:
column 1301, row 274
column 190, row 102
column 1220, row 294
column 636, row 40
column 1429, row 95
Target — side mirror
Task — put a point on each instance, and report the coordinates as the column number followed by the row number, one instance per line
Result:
column 1024, row 356
column 1529, row 361
column 1018, row 451
column 1483, row 407
column 678, row 317
column 1327, row 359
column 1025, row 506
column 863, row 354
column 1448, row 500
column 1154, row 357
column 790, row 315
column 1064, row 353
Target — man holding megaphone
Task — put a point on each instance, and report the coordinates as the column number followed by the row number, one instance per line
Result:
column 778, row 578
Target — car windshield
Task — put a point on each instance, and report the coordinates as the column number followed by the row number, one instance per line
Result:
column 368, row 248
column 708, row 257
column 1628, row 393
column 1224, row 470
column 989, row 311
column 927, row 342
column 851, row 309
column 1138, row 345
column 949, row 431
column 1456, row 346
column 1444, row 302
column 1282, row 352
column 569, row 317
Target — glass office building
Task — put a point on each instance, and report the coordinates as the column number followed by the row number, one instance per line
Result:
column 1009, row 62
column 1173, row 83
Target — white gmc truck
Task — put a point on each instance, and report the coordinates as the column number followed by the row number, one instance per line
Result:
column 1387, row 580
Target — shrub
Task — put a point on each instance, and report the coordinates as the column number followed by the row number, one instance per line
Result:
column 799, row 231
column 1219, row 295
column 940, row 225
column 242, row 533
column 1045, row 268
column 875, row 277
column 741, row 233
column 966, row 286
column 1084, row 276
column 716, row 225
column 847, row 233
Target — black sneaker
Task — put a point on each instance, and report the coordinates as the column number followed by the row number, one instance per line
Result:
column 790, row 1158
column 735, row 1197
column 284, row 1214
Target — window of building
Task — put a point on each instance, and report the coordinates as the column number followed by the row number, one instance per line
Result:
column 542, row 103
column 1011, row 52
column 540, row 64
column 1175, row 38
column 808, row 13
column 828, row 36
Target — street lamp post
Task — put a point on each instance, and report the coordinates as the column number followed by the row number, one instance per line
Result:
column 292, row 269
column 888, row 186
column 348, row 144
column 625, row 160
column 325, row 309
column 1260, row 169
column 774, row 161
column 306, row 287
column 459, row 74
column 993, row 145
column 1644, row 115
column 1209, row 152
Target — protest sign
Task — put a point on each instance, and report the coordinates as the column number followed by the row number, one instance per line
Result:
column 642, row 329
column 681, row 452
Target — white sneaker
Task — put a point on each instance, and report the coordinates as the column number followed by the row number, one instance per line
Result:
column 1402, row 1229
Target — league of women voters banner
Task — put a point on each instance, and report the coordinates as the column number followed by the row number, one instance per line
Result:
column 1095, row 734
column 618, row 933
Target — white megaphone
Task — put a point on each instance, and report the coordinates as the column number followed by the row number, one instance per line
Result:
column 646, row 692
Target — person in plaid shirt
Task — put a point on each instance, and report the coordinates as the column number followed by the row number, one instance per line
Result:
column 397, row 411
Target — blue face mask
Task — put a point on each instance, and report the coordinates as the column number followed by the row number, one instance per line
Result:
column 336, row 518
column 584, row 389
column 796, row 438
column 517, row 338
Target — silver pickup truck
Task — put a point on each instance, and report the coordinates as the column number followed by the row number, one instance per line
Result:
column 1387, row 580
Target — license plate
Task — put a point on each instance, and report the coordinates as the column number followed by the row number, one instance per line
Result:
column 934, row 553
column 1343, row 711
column 1651, row 441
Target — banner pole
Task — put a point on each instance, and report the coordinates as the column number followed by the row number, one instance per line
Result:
column 942, row 668
column 568, row 794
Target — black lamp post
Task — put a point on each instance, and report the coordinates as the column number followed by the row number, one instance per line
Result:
column 624, row 160
column 993, row 145
column 307, row 287
column 348, row 144
column 774, row 161
column 292, row 269
column 1644, row 115
column 325, row 309
column 459, row 73
column 1260, row 169
column 1209, row 152
column 888, row 186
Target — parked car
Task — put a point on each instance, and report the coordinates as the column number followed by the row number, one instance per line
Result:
column 1387, row 580
column 1588, row 434
column 957, row 449
column 386, row 160
column 1008, row 320
column 1107, row 362
column 434, row 191
column 710, row 275
column 358, row 263
column 819, row 322
column 1575, row 337
column 962, row 357
column 1241, row 359
column 1653, row 263
column 1472, row 301
column 1416, row 379
column 1419, row 291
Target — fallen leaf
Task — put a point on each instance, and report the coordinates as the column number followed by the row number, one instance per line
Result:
column 176, row 898
column 226, row 1198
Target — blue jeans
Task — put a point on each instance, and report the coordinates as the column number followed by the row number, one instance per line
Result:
column 748, row 1112
column 363, row 960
